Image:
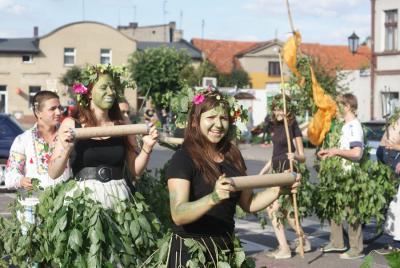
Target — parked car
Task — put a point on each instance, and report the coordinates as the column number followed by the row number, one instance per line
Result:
column 374, row 131
column 9, row 129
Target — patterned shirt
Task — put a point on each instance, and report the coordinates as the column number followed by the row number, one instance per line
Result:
column 29, row 157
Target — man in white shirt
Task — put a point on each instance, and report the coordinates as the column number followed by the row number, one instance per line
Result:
column 350, row 150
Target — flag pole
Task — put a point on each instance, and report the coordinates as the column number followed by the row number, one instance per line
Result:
column 289, row 144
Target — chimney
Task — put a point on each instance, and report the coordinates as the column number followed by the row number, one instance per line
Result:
column 36, row 31
column 133, row 25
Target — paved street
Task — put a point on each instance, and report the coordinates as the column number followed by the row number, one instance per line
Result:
column 257, row 240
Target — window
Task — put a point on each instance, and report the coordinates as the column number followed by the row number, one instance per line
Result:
column 69, row 56
column 389, row 102
column 32, row 91
column 274, row 68
column 27, row 58
column 3, row 99
column 391, row 30
column 105, row 56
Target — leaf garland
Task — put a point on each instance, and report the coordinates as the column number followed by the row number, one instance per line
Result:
column 366, row 187
column 78, row 232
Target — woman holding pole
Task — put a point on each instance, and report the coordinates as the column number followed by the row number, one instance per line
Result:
column 97, row 162
column 202, row 198
column 280, row 162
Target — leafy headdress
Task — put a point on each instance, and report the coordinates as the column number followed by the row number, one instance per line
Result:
column 90, row 75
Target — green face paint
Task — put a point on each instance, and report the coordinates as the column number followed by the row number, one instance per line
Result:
column 103, row 93
column 214, row 124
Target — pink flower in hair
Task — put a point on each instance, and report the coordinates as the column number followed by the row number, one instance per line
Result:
column 199, row 98
column 79, row 88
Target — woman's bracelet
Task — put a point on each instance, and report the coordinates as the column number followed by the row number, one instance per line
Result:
column 146, row 152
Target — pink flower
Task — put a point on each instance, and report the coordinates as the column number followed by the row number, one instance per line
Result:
column 199, row 98
column 79, row 88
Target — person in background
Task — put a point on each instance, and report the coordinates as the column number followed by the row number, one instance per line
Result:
column 279, row 163
column 125, row 109
column 350, row 150
column 31, row 151
column 388, row 153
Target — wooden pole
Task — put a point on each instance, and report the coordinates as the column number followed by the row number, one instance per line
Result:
column 289, row 144
column 290, row 16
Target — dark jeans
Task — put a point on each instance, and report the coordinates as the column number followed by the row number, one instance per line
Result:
column 388, row 157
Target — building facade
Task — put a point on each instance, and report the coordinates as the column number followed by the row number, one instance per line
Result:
column 28, row 65
column 166, row 33
column 385, row 71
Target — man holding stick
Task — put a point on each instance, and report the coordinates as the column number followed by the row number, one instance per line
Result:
column 351, row 150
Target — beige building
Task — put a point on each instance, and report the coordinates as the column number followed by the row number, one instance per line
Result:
column 28, row 65
column 385, row 71
column 166, row 33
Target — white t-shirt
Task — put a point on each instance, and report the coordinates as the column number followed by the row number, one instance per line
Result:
column 352, row 136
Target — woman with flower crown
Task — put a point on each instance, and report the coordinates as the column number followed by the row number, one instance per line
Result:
column 31, row 151
column 202, row 199
column 97, row 163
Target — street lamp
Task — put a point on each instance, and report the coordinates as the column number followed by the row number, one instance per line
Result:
column 353, row 43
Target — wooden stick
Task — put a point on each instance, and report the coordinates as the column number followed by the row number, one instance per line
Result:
column 289, row 144
column 290, row 16
column 111, row 131
column 263, row 181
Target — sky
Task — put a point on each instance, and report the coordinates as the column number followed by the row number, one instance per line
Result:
column 319, row 21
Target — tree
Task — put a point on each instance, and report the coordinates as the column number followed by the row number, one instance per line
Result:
column 236, row 78
column 193, row 76
column 301, row 87
column 158, row 71
column 70, row 77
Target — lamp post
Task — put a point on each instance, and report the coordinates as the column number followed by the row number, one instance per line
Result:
column 353, row 43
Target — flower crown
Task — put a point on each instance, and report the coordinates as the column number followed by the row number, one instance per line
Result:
column 90, row 75
column 236, row 110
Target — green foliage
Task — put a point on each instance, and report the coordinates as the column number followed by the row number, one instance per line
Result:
column 71, row 76
column 301, row 87
column 304, row 199
column 148, row 185
column 193, row 76
column 236, row 78
column 393, row 259
column 158, row 70
column 198, row 252
column 75, row 231
column 366, row 187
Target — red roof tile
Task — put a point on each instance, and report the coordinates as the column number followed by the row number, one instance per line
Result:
column 336, row 56
column 224, row 53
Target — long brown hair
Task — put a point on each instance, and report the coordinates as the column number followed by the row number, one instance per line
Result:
column 201, row 150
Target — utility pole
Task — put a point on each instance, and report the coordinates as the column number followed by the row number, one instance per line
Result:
column 83, row 9
column 180, row 19
column 164, row 19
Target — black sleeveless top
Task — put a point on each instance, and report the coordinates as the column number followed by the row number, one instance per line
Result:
column 93, row 153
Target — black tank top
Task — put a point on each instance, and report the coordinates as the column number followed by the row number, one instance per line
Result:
column 93, row 153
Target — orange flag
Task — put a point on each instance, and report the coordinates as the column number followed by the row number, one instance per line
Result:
column 321, row 122
column 290, row 52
